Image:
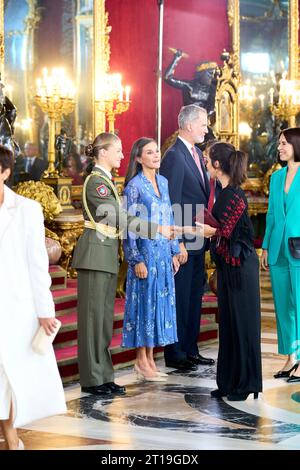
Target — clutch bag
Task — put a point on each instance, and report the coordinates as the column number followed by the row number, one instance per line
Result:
column 41, row 342
column 207, row 218
column 294, row 247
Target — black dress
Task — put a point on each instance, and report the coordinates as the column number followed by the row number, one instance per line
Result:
column 232, row 249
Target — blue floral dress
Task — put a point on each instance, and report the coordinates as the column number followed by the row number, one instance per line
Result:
column 150, row 311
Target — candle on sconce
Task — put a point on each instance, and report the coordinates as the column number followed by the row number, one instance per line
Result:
column 116, row 82
column 271, row 95
column 127, row 93
column 262, row 99
column 121, row 90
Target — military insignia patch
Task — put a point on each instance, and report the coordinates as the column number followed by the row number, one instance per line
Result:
column 102, row 190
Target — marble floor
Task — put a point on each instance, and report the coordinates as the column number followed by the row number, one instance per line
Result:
column 177, row 414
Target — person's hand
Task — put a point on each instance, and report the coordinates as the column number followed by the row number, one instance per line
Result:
column 141, row 271
column 176, row 264
column 189, row 229
column 183, row 256
column 205, row 230
column 169, row 231
column 48, row 324
column 264, row 260
column 201, row 230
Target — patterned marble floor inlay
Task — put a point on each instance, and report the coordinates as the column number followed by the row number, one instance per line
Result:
column 178, row 406
column 179, row 413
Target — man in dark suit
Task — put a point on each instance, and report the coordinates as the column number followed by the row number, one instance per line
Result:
column 34, row 167
column 184, row 168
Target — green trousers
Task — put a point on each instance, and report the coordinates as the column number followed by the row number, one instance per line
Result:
column 286, row 293
column 96, row 299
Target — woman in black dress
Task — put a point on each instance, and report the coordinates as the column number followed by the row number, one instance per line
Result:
column 239, row 359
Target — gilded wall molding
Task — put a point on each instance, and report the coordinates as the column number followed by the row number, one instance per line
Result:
column 233, row 15
column 2, row 38
column 293, row 40
column 227, row 104
column 101, row 54
column 31, row 24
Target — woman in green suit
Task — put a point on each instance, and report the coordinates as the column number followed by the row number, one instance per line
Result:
column 283, row 222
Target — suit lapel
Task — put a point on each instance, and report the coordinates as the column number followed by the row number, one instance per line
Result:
column 206, row 182
column 7, row 210
column 191, row 163
column 294, row 189
column 281, row 192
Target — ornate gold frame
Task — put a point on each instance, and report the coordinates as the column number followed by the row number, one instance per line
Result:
column 227, row 104
column 233, row 15
column 2, row 38
column 228, row 82
column 293, row 40
column 101, row 54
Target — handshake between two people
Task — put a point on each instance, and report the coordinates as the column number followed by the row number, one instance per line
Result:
column 174, row 231
column 200, row 230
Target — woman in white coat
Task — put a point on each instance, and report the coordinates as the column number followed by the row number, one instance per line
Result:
column 30, row 385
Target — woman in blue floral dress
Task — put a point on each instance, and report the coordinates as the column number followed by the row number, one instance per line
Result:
column 150, row 312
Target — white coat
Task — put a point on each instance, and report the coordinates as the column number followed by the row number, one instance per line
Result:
column 36, row 386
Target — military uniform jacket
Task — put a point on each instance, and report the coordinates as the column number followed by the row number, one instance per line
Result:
column 96, row 251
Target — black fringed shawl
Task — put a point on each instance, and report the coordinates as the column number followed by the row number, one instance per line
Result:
column 233, row 241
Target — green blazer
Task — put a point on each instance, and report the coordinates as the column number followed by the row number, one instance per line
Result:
column 100, row 253
column 280, row 223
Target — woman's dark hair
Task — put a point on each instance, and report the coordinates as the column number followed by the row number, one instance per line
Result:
column 6, row 160
column 232, row 162
column 102, row 141
column 76, row 159
column 134, row 166
column 292, row 136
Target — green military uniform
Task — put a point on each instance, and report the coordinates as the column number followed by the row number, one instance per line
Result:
column 96, row 260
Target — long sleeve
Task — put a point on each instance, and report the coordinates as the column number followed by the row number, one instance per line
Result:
column 130, row 246
column 175, row 250
column 174, row 243
column 269, row 218
column 38, row 262
column 172, row 169
column 106, row 209
column 234, row 207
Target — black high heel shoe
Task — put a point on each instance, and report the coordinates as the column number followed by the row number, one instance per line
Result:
column 293, row 379
column 217, row 393
column 241, row 396
column 282, row 374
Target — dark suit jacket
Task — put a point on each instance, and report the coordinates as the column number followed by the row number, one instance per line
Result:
column 186, row 186
column 37, row 169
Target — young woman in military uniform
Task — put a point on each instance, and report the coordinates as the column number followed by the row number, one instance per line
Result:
column 96, row 261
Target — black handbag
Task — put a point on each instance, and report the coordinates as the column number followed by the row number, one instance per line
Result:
column 294, row 247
